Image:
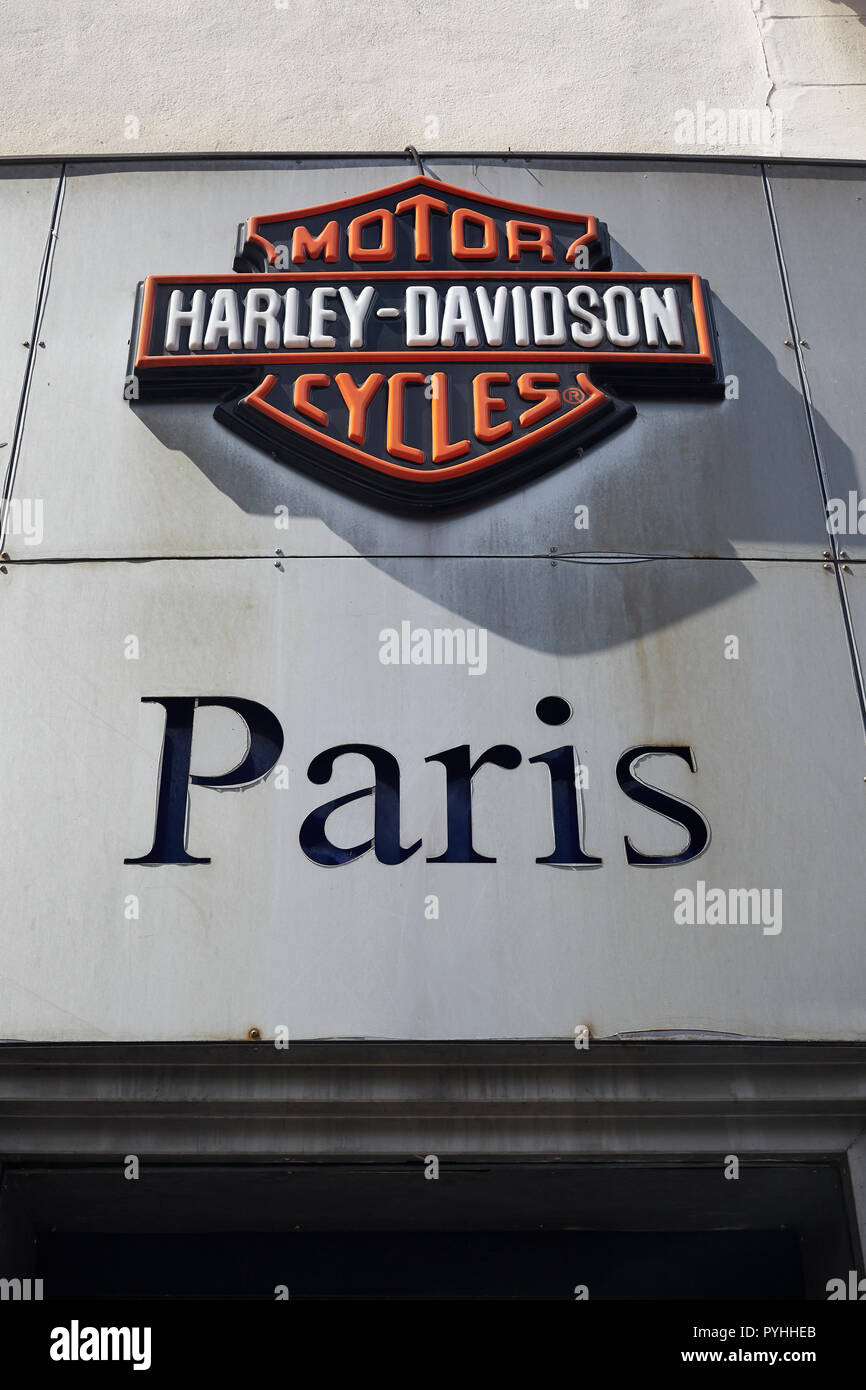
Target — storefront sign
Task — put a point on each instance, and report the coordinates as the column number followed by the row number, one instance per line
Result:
column 423, row 345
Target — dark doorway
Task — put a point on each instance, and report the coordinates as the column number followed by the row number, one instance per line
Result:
column 393, row 1266
column 379, row 1229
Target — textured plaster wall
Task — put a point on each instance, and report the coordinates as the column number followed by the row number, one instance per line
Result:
column 81, row 76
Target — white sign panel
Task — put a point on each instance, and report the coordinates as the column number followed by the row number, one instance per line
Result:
column 311, row 682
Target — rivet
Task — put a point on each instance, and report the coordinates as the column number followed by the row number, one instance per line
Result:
column 827, row 567
column 254, row 1035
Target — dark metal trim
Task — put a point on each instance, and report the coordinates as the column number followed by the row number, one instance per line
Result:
column 346, row 157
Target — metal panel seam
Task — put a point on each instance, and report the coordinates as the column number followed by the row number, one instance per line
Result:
column 823, row 480
column 42, row 287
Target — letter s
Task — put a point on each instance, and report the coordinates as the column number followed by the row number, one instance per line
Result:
column 663, row 804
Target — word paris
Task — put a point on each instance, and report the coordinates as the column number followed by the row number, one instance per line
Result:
column 265, row 744
column 422, row 345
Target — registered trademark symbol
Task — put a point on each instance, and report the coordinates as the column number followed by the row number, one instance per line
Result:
column 573, row 395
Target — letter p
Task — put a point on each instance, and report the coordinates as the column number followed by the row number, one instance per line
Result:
column 264, row 748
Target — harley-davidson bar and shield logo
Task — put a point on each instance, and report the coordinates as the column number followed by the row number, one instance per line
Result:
column 422, row 345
